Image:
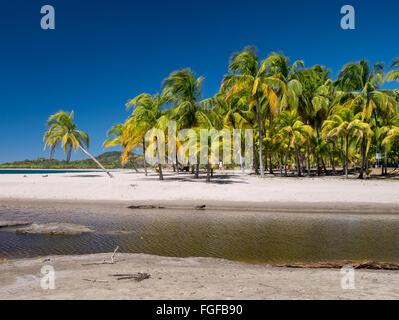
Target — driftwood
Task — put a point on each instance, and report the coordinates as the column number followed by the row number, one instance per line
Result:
column 95, row 280
column 372, row 265
column 138, row 276
column 112, row 261
column 145, row 206
column 202, row 207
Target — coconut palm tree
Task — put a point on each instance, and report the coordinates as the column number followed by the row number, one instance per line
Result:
column 184, row 91
column 61, row 130
column 344, row 123
column 147, row 114
column 393, row 74
column 291, row 128
column 314, row 103
column 248, row 75
column 362, row 84
column 114, row 136
column 278, row 66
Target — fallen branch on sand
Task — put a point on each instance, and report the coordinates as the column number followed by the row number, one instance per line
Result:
column 95, row 280
column 138, row 276
column 145, row 206
column 112, row 261
column 336, row 265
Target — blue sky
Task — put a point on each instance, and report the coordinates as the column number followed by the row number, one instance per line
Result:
column 104, row 52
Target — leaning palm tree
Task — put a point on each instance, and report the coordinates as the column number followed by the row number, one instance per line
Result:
column 62, row 130
column 248, row 75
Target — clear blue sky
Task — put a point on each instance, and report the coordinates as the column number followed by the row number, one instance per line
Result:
column 104, row 52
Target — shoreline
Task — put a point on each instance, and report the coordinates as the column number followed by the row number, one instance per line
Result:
column 81, row 277
column 216, row 205
column 227, row 190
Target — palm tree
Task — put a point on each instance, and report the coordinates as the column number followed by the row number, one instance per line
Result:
column 389, row 132
column 249, row 76
column 314, row 103
column 146, row 115
column 363, row 94
column 344, row 123
column 62, row 130
column 291, row 128
column 183, row 89
column 115, row 135
column 278, row 67
column 393, row 74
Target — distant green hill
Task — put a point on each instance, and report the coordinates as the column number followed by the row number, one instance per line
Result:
column 111, row 160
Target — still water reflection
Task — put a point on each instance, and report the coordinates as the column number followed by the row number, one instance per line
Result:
column 247, row 236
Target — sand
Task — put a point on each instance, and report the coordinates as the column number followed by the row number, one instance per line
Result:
column 226, row 188
column 193, row 278
column 188, row 278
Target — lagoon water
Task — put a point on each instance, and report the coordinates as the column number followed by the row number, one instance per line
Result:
column 255, row 237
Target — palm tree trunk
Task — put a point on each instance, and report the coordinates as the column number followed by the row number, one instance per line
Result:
column 298, row 169
column 308, row 158
column 331, row 159
column 208, row 169
column 363, row 160
column 134, row 166
column 262, row 171
column 346, row 155
column 197, row 168
column 95, row 160
column 280, row 164
column 384, row 166
column 177, row 164
column 286, row 161
column 144, row 163
column 241, row 164
column 159, row 161
column 255, row 160
column 324, row 165
column 342, row 153
column 270, row 164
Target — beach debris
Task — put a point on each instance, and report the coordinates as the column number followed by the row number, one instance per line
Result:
column 45, row 176
column 137, row 276
column 339, row 264
column 201, row 207
column 95, row 280
column 145, row 206
column 8, row 224
column 112, row 261
column 55, row 229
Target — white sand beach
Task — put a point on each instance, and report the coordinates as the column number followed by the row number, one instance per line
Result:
column 225, row 187
column 194, row 278
column 189, row 278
